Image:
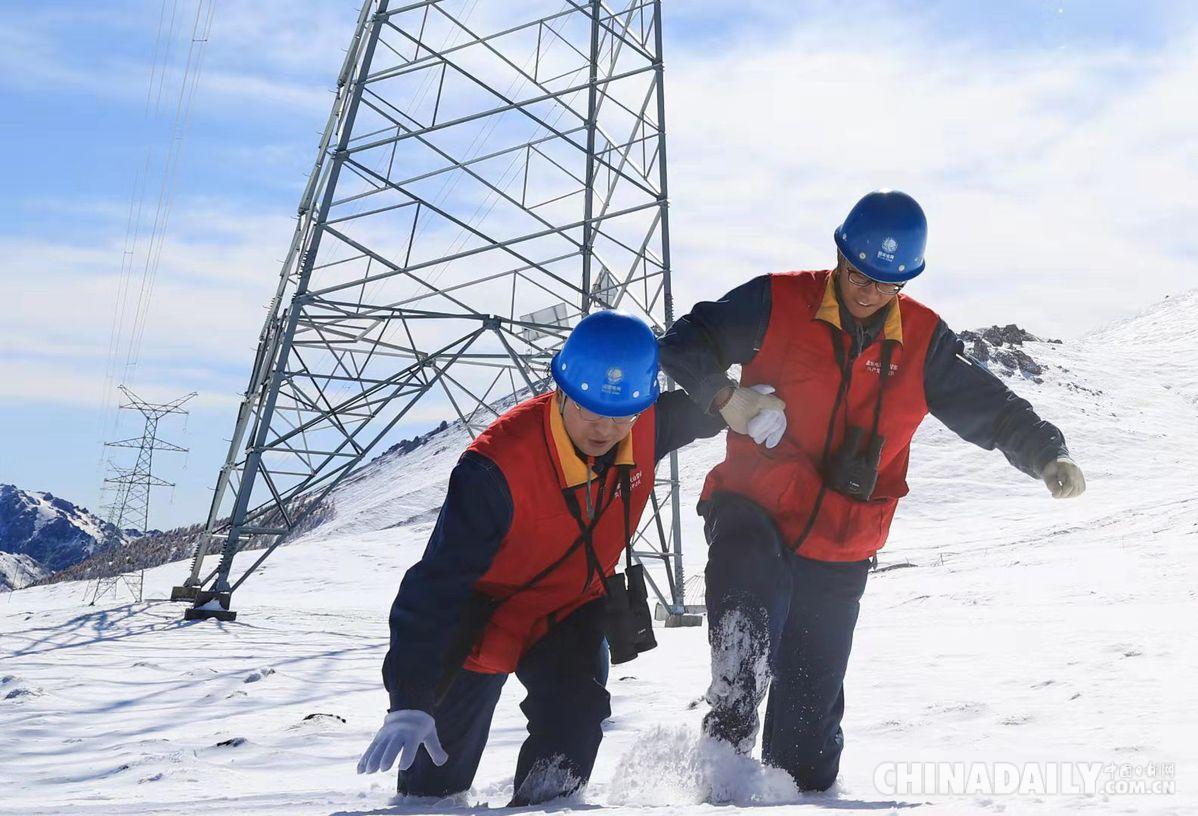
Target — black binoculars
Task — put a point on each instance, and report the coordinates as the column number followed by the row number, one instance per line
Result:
column 627, row 623
column 854, row 472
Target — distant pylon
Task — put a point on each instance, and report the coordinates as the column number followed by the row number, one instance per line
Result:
column 131, row 504
column 479, row 187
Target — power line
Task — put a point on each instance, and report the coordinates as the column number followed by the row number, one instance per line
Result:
column 131, row 506
column 127, row 330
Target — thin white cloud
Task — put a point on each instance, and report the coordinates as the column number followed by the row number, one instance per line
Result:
column 1057, row 184
column 75, row 382
column 216, row 274
column 260, row 57
column 1058, row 187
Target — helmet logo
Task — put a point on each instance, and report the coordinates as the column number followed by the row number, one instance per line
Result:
column 889, row 247
column 614, row 375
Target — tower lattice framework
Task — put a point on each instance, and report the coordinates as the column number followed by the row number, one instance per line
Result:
column 130, row 505
column 489, row 174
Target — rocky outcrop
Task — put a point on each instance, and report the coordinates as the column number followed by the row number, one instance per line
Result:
column 1001, row 347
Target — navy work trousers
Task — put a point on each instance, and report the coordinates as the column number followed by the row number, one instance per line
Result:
column 782, row 623
column 564, row 674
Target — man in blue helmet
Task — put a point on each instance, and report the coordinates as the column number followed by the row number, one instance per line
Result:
column 838, row 371
column 519, row 574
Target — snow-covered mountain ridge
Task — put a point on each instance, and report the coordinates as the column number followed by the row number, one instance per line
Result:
column 1025, row 630
column 51, row 531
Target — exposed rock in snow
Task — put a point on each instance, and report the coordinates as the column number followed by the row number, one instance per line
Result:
column 1000, row 348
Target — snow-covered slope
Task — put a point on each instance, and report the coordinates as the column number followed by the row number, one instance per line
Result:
column 1158, row 343
column 396, row 489
column 1021, row 630
column 50, row 530
column 18, row 571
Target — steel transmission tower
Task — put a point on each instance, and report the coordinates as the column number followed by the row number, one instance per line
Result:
column 481, row 184
column 131, row 504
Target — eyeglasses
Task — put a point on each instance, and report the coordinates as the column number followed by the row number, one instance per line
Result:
column 594, row 419
column 863, row 281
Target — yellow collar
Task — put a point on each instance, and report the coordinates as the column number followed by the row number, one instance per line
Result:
column 572, row 470
column 829, row 311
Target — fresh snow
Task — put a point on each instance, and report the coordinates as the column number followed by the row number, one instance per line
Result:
column 87, row 523
column 1005, row 628
column 45, row 513
column 19, row 570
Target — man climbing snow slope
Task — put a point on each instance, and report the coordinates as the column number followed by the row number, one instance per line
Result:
column 839, row 369
column 518, row 574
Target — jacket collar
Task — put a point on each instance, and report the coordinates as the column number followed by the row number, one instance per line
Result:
column 828, row 310
column 571, row 469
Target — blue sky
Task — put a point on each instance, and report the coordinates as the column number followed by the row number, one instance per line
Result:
column 1052, row 143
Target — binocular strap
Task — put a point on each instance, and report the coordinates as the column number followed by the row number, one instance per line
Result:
column 845, row 363
column 587, row 528
column 481, row 607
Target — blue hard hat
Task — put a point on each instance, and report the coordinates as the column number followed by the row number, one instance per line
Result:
column 608, row 364
column 884, row 236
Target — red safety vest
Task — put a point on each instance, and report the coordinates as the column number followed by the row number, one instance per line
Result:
column 530, row 446
column 798, row 358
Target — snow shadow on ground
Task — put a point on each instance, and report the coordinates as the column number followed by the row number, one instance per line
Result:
column 93, row 627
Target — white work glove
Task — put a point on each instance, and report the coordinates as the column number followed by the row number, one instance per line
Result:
column 402, row 731
column 756, row 412
column 1064, row 478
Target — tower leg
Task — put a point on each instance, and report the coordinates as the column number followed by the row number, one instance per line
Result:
column 211, row 605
